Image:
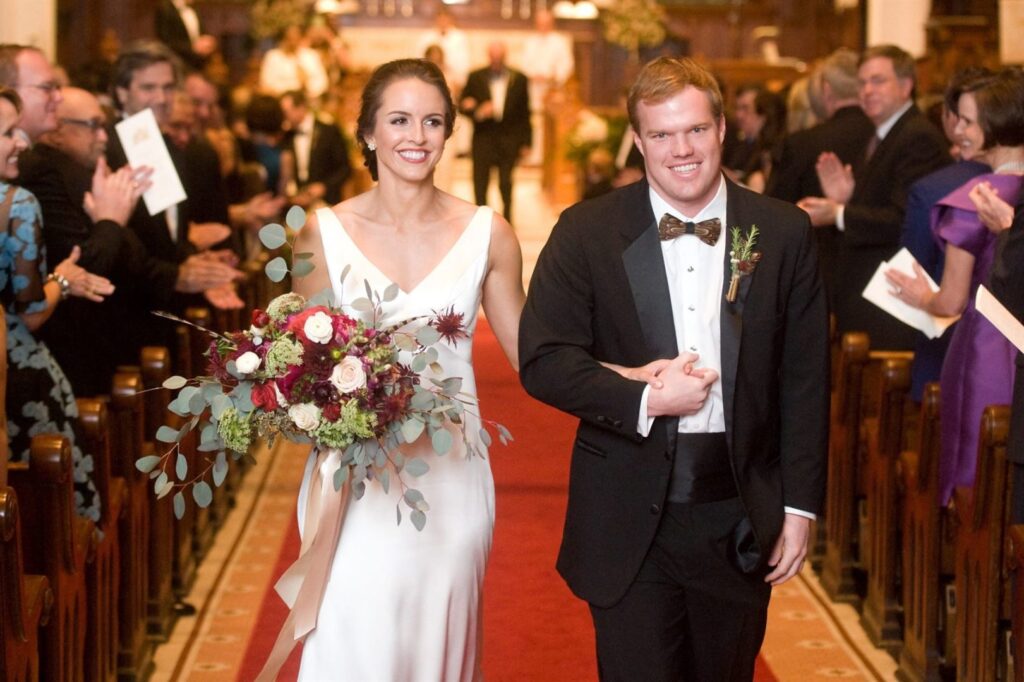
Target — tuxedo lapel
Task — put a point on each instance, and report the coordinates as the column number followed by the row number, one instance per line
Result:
column 645, row 268
column 731, row 321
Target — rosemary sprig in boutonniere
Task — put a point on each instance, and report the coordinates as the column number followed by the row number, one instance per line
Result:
column 743, row 258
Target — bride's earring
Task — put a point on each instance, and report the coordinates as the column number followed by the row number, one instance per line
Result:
column 371, row 146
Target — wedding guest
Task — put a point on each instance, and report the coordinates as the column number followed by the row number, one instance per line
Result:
column 867, row 204
column 979, row 365
column 919, row 238
column 28, row 71
column 39, row 398
column 318, row 152
column 178, row 26
column 695, row 470
column 292, row 65
column 497, row 99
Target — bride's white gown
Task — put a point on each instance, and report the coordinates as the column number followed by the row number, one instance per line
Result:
column 402, row 604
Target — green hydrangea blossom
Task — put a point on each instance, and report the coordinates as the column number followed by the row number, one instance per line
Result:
column 282, row 353
column 284, row 305
column 353, row 425
column 235, row 429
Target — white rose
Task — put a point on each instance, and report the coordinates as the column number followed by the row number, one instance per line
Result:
column 318, row 327
column 247, row 363
column 306, row 416
column 348, row 375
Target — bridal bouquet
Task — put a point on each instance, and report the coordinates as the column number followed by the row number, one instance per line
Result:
column 309, row 372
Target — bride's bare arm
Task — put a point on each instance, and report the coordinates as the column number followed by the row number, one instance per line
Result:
column 503, row 295
column 308, row 241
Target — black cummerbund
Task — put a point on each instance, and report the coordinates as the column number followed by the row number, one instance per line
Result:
column 701, row 472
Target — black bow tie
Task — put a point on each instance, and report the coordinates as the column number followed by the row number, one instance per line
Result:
column 670, row 227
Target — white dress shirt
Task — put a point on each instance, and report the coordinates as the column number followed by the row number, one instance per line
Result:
column 281, row 72
column 499, row 90
column 695, row 278
column 696, row 273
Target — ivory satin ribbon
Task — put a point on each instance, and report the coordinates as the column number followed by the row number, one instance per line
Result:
column 302, row 586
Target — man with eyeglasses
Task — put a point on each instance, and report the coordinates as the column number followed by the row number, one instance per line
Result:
column 84, row 204
column 27, row 70
column 867, row 201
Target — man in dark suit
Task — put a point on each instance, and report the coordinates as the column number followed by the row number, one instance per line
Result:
column 689, row 495
column 320, row 164
column 867, row 205
column 919, row 238
column 845, row 132
column 497, row 100
column 177, row 26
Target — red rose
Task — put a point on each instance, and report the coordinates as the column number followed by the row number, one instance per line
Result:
column 263, row 397
column 260, row 318
column 331, row 412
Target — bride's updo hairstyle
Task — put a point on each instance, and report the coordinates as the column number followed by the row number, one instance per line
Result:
column 373, row 94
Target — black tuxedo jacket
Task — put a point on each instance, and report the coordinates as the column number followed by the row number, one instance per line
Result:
column 874, row 220
column 1007, row 282
column 793, row 174
column 170, row 30
column 600, row 293
column 328, row 160
column 513, row 131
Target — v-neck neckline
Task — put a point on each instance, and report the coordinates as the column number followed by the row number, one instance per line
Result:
column 430, row 274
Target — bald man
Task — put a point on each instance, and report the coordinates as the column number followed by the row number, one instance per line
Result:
column 497, row 99
column 85, row 204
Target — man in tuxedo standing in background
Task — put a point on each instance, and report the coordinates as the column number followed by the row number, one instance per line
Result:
column 497, row 99
column 700, row 382
column 318, row 151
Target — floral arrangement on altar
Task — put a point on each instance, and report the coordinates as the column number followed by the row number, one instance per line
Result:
column 307, row 371
column 633, row 24
column 592, row 131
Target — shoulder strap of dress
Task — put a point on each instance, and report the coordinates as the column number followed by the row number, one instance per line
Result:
column 332, row 236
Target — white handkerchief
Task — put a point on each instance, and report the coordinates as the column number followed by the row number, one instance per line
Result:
column 144, row 146
column 1003, row 320
column 877, row 291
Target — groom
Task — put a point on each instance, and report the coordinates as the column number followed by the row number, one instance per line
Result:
column 695, row 476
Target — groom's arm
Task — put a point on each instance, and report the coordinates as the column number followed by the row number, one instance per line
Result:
column 557, row 344
column 804, row 389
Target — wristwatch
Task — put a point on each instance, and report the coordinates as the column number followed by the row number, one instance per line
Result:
column 62, row 282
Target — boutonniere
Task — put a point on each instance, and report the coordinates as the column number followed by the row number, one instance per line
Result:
column 743, row 258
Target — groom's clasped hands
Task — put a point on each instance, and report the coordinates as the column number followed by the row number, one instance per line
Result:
column 678, row 387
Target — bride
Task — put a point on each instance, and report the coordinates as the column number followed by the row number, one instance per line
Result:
column 396, row 603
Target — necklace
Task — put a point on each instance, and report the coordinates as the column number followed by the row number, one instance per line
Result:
column 1010, row 167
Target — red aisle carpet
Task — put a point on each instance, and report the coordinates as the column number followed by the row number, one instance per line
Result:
column 534, row 629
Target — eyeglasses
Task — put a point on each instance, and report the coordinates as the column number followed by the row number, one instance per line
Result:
column 92, row 124
column 48, row 87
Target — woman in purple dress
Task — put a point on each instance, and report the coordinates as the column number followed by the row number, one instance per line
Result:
column 979, row 366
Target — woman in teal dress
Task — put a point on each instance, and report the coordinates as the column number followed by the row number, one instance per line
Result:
column 39, row 398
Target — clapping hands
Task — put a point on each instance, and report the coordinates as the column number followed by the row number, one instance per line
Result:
column 836, row 178
column 113, row 194
column 83, row 283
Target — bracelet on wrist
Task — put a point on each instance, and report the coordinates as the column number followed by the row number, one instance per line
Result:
column 62, row 282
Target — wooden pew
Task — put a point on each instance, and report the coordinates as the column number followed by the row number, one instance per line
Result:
column 165, row 562
column 184, row 558
column 924, row 533
column 135, row 650
column 839, row 562
column 103, row 573
column 884, row 439
column 981, row 513
column 57, row 543
column 1015, row 563
column 25, row 600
